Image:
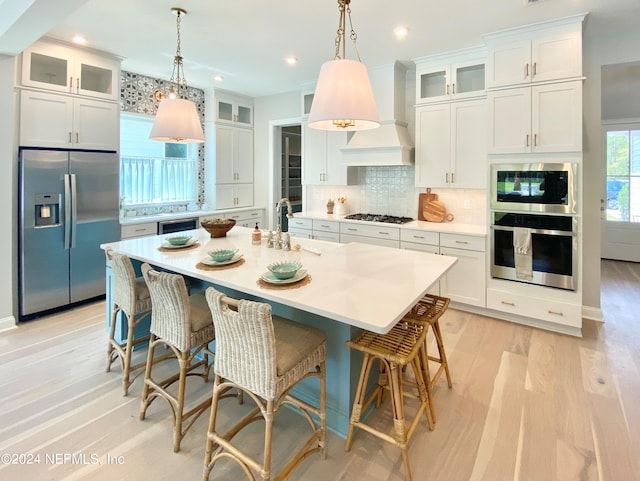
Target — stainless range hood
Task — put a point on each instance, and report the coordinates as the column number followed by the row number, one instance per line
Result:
column 389, row 144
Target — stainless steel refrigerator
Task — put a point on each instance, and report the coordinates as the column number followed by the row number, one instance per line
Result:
column 68, row 207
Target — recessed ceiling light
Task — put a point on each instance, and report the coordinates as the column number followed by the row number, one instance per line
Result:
column 291, row 60
column 218, row 78
column 79, row 39
column 401, row 32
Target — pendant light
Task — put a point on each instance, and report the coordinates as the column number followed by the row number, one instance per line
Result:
column 177, row 118
column 343, row 99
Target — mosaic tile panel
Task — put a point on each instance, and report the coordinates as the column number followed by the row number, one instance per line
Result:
column 137, row 95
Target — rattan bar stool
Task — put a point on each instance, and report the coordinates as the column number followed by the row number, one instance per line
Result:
column 428, row 311
column 183, row 324
column 264, row 356
column 394, row 350
column 130, row 296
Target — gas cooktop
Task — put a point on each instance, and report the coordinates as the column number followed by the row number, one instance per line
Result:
column 379, row 218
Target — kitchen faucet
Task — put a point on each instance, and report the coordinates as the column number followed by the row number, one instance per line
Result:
column 278, row 213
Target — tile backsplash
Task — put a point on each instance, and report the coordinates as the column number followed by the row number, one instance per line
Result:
column 391, row 191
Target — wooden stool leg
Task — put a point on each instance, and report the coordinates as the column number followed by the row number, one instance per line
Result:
column 211, row 429
column 147, row 377
column 443, row 355
column 322, row 441
column 424, row 359
column 397, row 401
column 356, row 412
column 127, row 356
column 182, row 382
column 423, row 389
column 112, row 332
column 268, row 435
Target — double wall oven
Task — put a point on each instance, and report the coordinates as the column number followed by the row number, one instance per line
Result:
column 534, row 224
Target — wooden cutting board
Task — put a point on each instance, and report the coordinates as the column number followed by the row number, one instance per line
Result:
column 430, row 208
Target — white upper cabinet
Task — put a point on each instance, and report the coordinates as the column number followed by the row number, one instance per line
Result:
column 543, row 118
column 51, row 66
column 62, row 121
column 233, row 109
column 543, row 52
column 321, row 157
column 234, row 155
column 451, row 145
column 451, row 76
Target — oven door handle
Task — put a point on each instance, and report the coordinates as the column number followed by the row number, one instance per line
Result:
column 537, row 231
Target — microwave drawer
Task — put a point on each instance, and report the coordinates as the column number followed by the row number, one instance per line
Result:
column 535, row 307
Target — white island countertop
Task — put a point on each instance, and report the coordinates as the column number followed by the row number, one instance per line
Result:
column 362, row 285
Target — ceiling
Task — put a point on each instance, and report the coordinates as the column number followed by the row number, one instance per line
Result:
column 246, row 41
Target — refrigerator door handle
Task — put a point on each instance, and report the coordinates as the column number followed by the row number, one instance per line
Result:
column 67, row 211
column 74, row 210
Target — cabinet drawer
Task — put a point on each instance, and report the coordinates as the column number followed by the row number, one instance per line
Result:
column 326, row 226
column 459, row 241
column 414, row 246
column 138, row 230
column 420, row 236
column 326, row 236
column 537, row 308
column 300, row 233
column 379, row 232
column 300, row 223
column 377, row 241
column 245, row 215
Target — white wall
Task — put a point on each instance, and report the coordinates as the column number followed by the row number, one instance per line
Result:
column 617, row 47
column 270, row 109
column 8, row 194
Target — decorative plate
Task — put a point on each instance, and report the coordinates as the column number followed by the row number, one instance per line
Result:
column 270, row 278
column 208, row 261
column 166, row 245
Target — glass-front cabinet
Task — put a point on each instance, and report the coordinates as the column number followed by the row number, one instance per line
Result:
column 451, row 76
column 50, row 66
column 232, row 109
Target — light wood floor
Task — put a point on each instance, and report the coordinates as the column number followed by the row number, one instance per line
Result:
column 526, row 405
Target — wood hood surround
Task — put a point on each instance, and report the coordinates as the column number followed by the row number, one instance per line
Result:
column 389, row 144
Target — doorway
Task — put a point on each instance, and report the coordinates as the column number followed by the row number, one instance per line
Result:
column 289, row 182
column 621, row 202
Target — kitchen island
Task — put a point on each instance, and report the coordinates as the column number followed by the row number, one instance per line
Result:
column 349, row 286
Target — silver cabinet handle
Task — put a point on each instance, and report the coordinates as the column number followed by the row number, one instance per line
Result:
column 77, row 137
column 418, row 237
column 446, row 177
column 447, row 89
column 70, row 140
column 555, row 313
column 535, row 69
column 462, row 242
column 527, row 141
column 526, row 73
column 453, row 177
column 352, row 229
column 535, row 139
column 506, row 303
column 453, row 88
column 70, row 84
column 383, row 233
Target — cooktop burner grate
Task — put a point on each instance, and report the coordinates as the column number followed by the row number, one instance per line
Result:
column 392, row 219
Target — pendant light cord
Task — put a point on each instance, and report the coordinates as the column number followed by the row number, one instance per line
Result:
column 344, row 6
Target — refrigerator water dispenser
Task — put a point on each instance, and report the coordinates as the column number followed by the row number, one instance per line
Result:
column 47, row 208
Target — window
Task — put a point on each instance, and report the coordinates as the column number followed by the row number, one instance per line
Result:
column 151, row 171
column 623, row 174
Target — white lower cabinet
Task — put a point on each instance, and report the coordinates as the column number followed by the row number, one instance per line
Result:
column 301, row 228
column 326, row 230
column 247, row 218
column 544, row 309
column 465, row 282
column 370, row 234
column 130, row 231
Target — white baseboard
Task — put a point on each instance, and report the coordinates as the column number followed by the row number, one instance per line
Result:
column 592, row 313
column 7, row 323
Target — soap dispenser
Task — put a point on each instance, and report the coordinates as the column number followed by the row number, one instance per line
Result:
column 256, row 236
